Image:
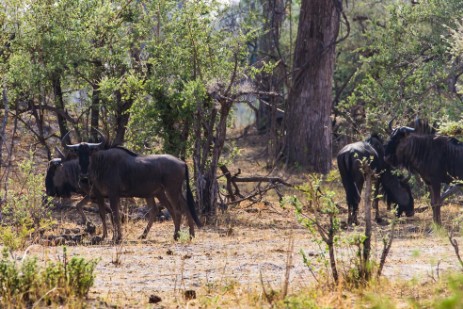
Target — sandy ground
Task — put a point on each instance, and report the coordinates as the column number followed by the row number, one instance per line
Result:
column 251, row 252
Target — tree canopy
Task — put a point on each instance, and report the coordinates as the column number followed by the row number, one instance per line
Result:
column 163, row 76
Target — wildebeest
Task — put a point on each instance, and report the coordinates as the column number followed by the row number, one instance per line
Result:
column 118, row 172
column 436, row 158
column 62, row 180
column 395, row 190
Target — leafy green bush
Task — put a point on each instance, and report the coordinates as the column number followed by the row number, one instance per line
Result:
column 341, row 255
column 25, row 211
column 319, row 214
column 27, row 283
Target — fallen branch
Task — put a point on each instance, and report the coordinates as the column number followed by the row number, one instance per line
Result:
column 233, row 190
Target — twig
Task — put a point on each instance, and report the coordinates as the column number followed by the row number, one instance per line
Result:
column 386, row 248
column 454, row 244
column 289, row 265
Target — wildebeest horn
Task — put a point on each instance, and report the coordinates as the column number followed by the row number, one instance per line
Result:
column 62, row 139
column 389, row 125
column 73, row 147
column 55, row 161
column 407, row 129
column 60, row 153
column 103, row 137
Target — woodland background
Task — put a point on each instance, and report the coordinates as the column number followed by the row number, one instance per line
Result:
column 178, row 76
column 164, row 76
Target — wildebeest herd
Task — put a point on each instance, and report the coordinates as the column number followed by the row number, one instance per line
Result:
column 98, row 172
column 395, row 190
column 419, row 149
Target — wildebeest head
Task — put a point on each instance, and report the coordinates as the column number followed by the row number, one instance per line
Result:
column 53, row 165
column 61, row 179
column 396, row 190
column 392, row 147
column 420, row 125
column 84, row 151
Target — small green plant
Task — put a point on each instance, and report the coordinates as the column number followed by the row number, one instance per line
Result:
column 25, row 211
column 319, row 213
column 455, row 299
column 184, row 237
column 28, row 283
column 320, row 216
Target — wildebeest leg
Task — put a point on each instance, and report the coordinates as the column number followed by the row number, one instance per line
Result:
column 189, row 216
column 79, row 207
column 117, row 225
column 179, row 203
column 102, row 209
column 354, row 204
column 352, row 213
column 174, row 212
column 436, row 203
column 152, row 215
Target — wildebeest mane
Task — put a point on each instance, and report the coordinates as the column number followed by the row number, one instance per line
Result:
column 417, row 151
column 133, row 154
column 422, row 126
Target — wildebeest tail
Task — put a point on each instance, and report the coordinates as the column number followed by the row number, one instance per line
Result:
column 348, row 181
column 190, row 199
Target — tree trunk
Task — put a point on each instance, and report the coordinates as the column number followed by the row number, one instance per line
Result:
column 95, row 105
column 59, row 104
column 122, row 118
column 367, row 201
column 310, row 99
column 95, row 111
column 269, row 47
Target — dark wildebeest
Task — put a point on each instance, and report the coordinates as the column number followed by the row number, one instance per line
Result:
column 62, row 180
column 395, row 190
column 117, row 172
column 436, row 158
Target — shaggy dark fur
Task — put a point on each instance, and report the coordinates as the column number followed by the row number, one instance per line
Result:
column 62, row 180
column 117, row 172
column 394, row 190
column 437, row 159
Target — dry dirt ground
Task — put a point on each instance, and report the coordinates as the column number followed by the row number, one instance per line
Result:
column 249, row 255
column 249, row 251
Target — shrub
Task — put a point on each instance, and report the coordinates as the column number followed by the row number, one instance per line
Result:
column 25, row 211
column 26, row 283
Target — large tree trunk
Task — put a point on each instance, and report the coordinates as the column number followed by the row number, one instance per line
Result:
column 310, row 99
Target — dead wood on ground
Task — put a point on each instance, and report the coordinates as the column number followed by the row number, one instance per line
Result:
column 233, row 194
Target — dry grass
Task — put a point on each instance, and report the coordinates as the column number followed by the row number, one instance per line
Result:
column 247, row 261
column 243, row 261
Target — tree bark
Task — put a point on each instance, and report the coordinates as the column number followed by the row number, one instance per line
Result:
column 59, row 105
column 310, row 99
column 95, row 105
column 122, row 118
column 275, row 81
